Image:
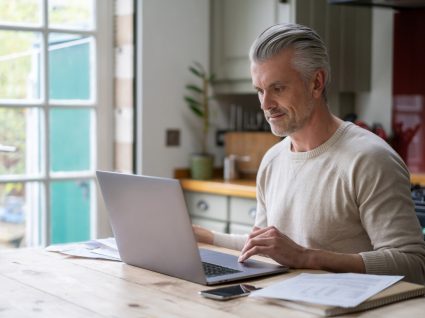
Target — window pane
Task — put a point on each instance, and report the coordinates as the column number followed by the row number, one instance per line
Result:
column 20, row 130
column 70, row 139
column 20, row 206
column 70, row 67
column 75, row 14
column 70, row 211
column 19, row 65
column 22, row 12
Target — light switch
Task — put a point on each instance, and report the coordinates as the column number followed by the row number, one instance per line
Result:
column 172, row 137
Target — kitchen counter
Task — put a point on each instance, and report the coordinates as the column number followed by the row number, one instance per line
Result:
column 245, row 188
column 238, row 188
column 418, row 179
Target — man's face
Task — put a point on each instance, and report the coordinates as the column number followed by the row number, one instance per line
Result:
column 285, row 98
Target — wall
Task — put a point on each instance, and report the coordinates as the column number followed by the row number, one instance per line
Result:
column 124, row 82
column 376, row 105
column 170, row 37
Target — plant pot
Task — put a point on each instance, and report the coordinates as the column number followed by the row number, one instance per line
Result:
column 201, row 166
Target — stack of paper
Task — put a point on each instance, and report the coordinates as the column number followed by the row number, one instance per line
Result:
column 344, row 290
column 335, row 294
column 101, row 248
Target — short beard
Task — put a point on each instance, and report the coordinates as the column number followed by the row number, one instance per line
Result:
column 294, row 125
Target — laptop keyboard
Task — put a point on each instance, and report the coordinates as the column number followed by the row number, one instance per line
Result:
column 212, row 270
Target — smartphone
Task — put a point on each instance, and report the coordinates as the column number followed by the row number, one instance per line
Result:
column 229, row 292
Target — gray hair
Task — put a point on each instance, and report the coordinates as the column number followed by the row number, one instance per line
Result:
column 310, row 51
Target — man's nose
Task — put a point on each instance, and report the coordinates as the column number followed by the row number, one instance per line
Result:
column 266, row 102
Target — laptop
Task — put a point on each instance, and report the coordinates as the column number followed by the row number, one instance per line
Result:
column 153, row 231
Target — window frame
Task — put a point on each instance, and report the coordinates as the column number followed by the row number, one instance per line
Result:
column 102, row 131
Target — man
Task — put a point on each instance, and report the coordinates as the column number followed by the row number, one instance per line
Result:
column 331, row 195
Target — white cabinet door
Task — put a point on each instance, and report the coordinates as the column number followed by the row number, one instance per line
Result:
column 235, row 25
column 243, row 210
column 207, row 206
column 221, row 213
column 217, row 226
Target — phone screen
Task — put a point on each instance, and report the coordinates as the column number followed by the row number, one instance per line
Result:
column 228, row 292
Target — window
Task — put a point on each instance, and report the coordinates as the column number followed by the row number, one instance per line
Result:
column 55, row 98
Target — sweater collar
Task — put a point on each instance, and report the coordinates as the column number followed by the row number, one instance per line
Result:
column 320, row 149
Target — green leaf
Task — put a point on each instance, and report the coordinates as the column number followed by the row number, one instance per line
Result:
column 196, row 72
column 192, row 101
column 194, row 88
column 200, row 68
column 211, row 78
column 198, row 112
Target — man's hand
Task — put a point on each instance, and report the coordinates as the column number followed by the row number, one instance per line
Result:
column 203, row 235
column 270, row 242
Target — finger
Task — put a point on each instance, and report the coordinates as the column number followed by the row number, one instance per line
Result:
column 257, row 242
column 256, row 250
column 249, row 243
column 258, row 231
column 255, row 231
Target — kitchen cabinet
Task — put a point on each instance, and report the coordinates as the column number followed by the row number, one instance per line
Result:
column 242, row 213
column 236, row 23
column 229, row 207
column 208, row 210
column 222, row 213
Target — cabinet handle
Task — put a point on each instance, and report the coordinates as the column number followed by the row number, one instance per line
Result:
column 252, row 212
column 202, row 205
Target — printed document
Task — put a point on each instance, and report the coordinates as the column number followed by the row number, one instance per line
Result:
column 343, row 290
column 100, row 248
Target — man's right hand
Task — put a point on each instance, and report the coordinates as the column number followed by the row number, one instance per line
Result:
column 202, row 234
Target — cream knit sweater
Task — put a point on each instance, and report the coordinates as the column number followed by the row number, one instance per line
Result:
column 349, row 195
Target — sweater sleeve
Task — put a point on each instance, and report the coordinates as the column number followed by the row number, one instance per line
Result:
column 232, row 241
column 382, row 187
column 237, row 242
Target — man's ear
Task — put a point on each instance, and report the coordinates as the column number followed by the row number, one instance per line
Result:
column 318, row 83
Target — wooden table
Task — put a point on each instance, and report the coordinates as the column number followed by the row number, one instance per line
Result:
column 36, row 283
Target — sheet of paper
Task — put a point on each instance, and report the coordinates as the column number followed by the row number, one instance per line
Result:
column 107, row 252
column 87, row 254
column 110, row 242
column 98, row 249
column 343, row 290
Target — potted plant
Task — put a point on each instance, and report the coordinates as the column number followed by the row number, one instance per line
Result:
column 201, row 164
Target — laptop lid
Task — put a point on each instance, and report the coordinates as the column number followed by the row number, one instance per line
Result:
column 150, row 224
column 152, row 228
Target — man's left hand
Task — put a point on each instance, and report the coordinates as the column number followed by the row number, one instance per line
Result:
column 269, row 241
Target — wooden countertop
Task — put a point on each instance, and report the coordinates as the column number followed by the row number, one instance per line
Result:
column 418, row 178
column 238, row 188
column 245, row 188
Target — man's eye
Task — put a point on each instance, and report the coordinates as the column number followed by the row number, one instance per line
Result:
column 278, row 89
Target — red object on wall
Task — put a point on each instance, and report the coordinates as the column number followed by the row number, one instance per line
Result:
column 409, row 87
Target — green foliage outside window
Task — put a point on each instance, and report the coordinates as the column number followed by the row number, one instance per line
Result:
column 12, row 133
column 19, row 11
